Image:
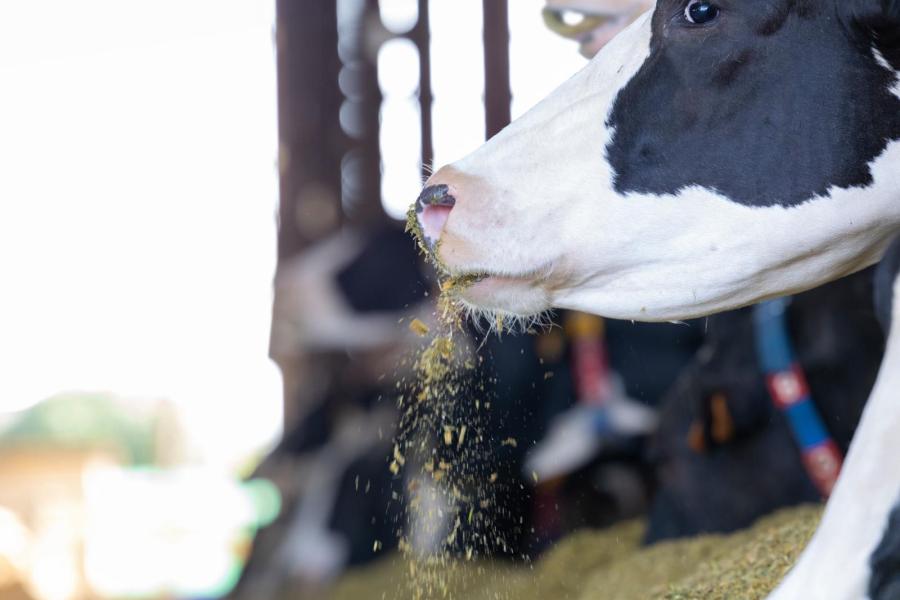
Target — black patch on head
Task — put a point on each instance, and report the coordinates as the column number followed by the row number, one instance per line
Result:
column 884, row 583
column 777, row 16
column 773, row 103
column 885, row 276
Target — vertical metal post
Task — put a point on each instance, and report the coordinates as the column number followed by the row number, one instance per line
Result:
column 311, row 145
column 421, row 36
column 497, row 94
column 361, row 174
column 309, row 100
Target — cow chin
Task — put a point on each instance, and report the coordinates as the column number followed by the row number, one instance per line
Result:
column 497, row 278
column 519, row 298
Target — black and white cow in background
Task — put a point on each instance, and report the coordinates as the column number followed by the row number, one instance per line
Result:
column 725, row 454
column 713, row 155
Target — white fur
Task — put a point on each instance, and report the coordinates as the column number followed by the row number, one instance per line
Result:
column 724, row 255
column 882, row 61
column 835, row 564
column 552, row 213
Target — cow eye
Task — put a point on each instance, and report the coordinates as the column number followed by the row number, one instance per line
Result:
column 700, row 12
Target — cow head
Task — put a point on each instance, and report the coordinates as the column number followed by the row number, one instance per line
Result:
column 714, row 154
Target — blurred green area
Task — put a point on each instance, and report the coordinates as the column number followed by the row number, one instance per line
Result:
column 83, row 421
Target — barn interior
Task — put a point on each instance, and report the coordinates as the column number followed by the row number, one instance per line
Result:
column 212, row 303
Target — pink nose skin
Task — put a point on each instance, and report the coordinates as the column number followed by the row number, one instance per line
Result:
column 432, row 209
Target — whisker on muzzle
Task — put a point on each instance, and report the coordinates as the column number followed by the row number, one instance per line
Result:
column 487, row 321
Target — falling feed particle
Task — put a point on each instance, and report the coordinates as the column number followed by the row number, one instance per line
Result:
column 398, row 457
column 419, row 328
column 394, row 468
column 510, row 442
column 448, row 435
column 494, row 477
column 534, row 476
column 376, row 546
column 462, row 436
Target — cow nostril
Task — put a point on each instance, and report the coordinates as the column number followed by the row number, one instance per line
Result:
column 433, row 209
column 436, row 195
column 433, row 219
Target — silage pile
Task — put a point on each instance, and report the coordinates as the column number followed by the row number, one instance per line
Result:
column 610, row 565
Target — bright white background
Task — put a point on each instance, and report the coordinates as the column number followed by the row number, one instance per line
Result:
column 138, row 191
column 539, row 62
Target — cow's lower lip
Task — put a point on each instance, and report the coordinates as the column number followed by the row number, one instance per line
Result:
column 495, row 281
column 482, row 279
column 519, row 295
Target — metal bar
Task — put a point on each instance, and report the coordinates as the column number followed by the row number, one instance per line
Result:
column 309, row 99
column 311, row 145
column 497, row 94
column 421, row 36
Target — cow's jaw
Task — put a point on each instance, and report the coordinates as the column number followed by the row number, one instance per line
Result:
column 700, row 253
column 538, row 217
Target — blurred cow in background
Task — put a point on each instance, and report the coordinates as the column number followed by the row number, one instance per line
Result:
column 726, row 454
column 343, row 301
column 592, row 23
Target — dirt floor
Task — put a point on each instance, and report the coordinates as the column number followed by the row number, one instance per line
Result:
column 607, row 565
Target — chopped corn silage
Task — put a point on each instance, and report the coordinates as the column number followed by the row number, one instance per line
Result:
column 610, row 565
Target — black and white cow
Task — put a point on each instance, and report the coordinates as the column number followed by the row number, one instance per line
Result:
column 713, row 155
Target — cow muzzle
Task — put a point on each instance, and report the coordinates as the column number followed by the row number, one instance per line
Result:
column 474, row 238
column 448, row 216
